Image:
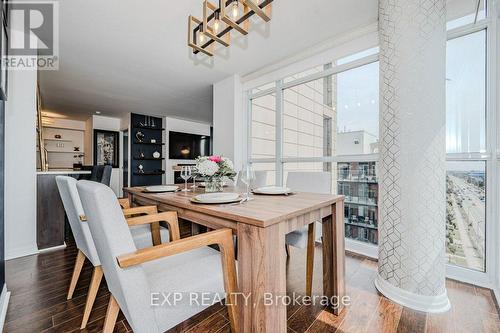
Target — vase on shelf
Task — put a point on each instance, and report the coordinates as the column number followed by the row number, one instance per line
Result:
column 214, row 184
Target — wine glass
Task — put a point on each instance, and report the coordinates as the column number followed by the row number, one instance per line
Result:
column 247, row 177
column 186, row 174
column 194, row 175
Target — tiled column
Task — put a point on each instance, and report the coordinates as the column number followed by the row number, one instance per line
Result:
column 412, row 153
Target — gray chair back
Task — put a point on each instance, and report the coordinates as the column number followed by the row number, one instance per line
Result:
column 112, row 238
column 315, row 182
column 74, row 209
column 259, row 181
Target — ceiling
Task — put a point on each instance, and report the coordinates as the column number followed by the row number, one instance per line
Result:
column 119, row 56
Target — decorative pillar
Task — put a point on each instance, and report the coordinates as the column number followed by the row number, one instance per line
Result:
column 412, row 164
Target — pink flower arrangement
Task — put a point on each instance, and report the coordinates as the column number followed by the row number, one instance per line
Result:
column 215, row 158
column 215, row 166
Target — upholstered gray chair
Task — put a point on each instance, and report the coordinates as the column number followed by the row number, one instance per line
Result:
column 315, row 182
column 136, row 278
column 86, row 249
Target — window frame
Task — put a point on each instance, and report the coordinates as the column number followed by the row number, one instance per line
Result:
column 491, row 157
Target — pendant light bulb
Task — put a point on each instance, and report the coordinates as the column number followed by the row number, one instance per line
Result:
column 235, row 11
column 216, row 25
column 202, row 36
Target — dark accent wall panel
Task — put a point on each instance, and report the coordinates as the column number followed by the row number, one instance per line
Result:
column 141, row 153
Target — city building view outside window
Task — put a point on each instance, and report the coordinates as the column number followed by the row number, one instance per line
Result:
column 336, row 115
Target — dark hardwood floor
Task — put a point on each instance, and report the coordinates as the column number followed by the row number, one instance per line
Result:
column 39, row 284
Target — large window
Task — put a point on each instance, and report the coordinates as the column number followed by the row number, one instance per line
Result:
column 358, row 103
column 466, row 94
column 320, row 115
column 263, row 127
column 326, row 120
column 465, row 221
column 466, row 144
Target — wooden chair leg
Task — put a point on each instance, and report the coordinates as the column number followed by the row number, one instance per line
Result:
column 80, row 259
column 111, row 315
column 92, row 293
column 287, row 249
column 310, row 257
column 230, row 281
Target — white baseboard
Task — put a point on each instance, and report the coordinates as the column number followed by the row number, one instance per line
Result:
column 54, row 248
column 24, row 252
column 431, row 304
column 4, row 303
column 20, row 252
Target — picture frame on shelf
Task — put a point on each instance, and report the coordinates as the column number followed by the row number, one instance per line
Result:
column 106, row 148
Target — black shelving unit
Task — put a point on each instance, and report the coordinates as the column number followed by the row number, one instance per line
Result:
column 149, row 173
column 148, row 159
column 147, row 143
column 152, row 167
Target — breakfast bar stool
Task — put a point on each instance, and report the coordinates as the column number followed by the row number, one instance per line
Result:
column 142, row 236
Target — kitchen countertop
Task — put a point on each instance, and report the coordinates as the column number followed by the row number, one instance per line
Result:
column 64, row 172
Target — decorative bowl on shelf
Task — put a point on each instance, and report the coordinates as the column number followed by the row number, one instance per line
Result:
column 156, row 154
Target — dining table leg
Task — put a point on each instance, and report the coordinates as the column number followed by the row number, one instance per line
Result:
column 334, row 257
column 262, row 278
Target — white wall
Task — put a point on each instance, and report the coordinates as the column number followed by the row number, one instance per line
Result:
column 183, row 126
column 229, row 120
column 110, row 124
column 497, row 291
column 67, row 124
column 20, row 165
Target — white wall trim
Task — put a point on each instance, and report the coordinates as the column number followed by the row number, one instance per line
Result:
column 53, row 248
column 430, row 304
column 18, row 252
column 4, row 303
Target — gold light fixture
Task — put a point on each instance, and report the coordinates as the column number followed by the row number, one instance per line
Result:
column 218, row 22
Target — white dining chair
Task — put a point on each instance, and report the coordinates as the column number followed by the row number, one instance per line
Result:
column 259, row 181
column 86, row 249
column 315, row 182
column 185, row 267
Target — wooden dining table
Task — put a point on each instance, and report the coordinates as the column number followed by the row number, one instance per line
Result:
column 261, row 225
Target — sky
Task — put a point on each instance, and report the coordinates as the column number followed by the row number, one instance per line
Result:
column 358, row 94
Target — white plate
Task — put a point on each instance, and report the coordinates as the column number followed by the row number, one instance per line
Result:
column 272, row 190
column 161, row 188
column 216, row 198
